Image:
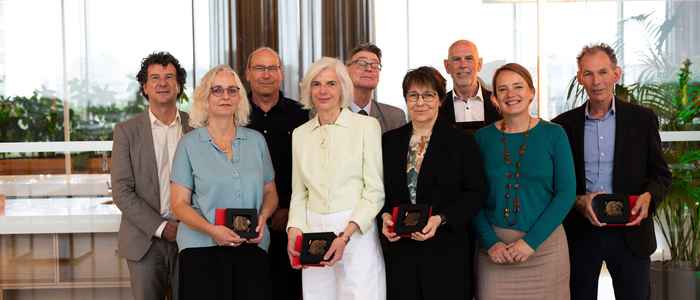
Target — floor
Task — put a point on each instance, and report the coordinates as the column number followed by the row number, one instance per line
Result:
column 605, row 287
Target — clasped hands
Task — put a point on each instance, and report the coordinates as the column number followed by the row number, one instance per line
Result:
column 516, row 252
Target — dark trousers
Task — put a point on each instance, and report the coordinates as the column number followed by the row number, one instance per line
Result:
column 629, row 272
column 221, row 272
column 155, row 276
column 426, row 274
column 286, row 281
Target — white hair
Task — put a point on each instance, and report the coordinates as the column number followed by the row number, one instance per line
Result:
column 340, row 71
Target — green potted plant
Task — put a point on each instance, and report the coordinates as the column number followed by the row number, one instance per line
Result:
column 678, row 217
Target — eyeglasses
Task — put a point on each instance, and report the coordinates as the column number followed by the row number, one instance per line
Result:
column 218, row 91
column 427, row 97
column 271, row 68
column 365, row 63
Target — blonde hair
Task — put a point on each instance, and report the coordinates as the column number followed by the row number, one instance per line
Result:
column 340, row 71
column 199, row 115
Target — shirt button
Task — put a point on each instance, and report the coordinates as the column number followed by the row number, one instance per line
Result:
column 602, row 154
column 266, row 115
column 265, row 131
column 601, row 137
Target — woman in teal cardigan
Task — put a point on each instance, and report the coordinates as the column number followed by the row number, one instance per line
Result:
column 531, row 182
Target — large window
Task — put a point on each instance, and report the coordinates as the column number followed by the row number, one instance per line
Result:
column 651, row 36
column 68, row 72
column 657, row 43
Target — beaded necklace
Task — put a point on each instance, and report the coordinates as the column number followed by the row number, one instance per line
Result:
column 515, row 176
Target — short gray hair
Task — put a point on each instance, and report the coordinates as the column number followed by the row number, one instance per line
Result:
column 343, row 77
column 199, row 115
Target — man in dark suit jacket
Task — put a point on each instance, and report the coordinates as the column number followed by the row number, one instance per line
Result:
column 142, row 155
column 364, row 67
column 468, row 105
column 617, row 149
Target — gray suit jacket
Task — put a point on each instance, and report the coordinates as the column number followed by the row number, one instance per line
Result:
column 135, row 187
column 389, row 117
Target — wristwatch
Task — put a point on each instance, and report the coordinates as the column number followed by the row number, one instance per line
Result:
column 443, row 219
column 345, row 239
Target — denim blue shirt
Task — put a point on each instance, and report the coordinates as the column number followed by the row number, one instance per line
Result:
column 599, row 150
column 217, row 182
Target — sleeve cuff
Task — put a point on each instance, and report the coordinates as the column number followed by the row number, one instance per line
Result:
column 533, row 242
column 362, row 226
column 159, row 231
column 489, row 241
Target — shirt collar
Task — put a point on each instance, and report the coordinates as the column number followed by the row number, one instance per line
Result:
column 343, row 119
column 203, row 134
column 610, row 112
column 154, row 120
column 280, row 103
column 478, row 97
column 355, row 108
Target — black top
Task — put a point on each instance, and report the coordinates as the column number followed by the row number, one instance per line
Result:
column 276, row 126
column 451, row 179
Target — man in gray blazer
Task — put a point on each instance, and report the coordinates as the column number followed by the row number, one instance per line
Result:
column 142, row 155
column 364, row 67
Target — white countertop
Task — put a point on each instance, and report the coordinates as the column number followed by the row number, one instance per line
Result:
column 83, row 185
column 59, row 215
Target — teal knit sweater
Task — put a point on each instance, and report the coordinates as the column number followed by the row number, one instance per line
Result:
column 547, row 183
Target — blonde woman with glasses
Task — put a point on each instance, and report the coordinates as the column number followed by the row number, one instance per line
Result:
column 222, row 164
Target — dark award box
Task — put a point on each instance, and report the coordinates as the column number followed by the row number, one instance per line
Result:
column 614, row 209
column 410, row 218
column 312, row 247
column 242, row 221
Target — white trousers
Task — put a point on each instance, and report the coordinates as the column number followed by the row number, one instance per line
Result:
column 359, row 275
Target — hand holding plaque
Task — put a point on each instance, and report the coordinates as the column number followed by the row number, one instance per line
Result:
column 614, row 209
column 410, row 218
column 312, row 247
column 241, row 220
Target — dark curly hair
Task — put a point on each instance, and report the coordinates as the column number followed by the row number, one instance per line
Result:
column 425, row 76
column 161, row 58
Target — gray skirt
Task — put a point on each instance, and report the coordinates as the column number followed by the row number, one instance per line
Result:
column 545, row 275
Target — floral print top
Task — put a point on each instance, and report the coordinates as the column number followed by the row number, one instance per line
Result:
column 416, row 153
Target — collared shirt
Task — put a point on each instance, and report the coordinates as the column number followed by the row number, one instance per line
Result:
column 599, row 150
column 355, row 108
column 217, row 182
column 337, row 167
column 276, row 125
column 164, row 134
column 469, row 109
